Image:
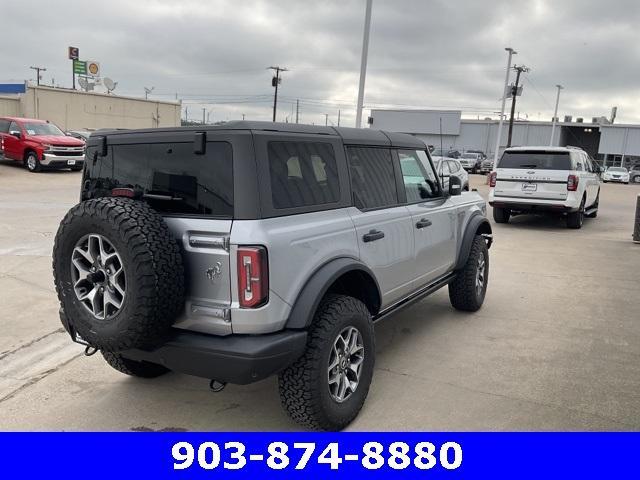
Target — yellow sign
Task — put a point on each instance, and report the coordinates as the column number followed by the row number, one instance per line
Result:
column 93, row 68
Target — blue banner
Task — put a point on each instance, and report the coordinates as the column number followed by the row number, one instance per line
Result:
column 314, row 455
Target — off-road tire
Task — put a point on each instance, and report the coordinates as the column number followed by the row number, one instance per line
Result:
column 154, row 273
column 501, row 215
column 31, row 162
column 463, row 293
column 576, row 219
column 303, row 386
column 134, row 368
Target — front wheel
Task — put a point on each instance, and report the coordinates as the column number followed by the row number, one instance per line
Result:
column 326, row 387
column 468, row 289
column 32, row 163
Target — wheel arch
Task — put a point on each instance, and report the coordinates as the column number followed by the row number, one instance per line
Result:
column 343, row 275
column 477, row 225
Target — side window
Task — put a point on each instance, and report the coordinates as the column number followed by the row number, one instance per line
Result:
column 419, row 179
column 453, row 166
column 4, row 126
column 303, row 174
column 13, row 127
column 372, row 178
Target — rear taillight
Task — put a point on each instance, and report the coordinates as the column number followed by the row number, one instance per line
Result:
column 492, row 179
column 253, row 276
column 572, row 183
column 123, row 192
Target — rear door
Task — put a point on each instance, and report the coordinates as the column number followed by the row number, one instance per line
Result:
column 383, row 226
column 533, row 174
column 12, row 145
column 194, row 193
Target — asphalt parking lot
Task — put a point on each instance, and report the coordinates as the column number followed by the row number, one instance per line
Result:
column 556, row 345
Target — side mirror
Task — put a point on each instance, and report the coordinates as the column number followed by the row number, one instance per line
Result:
column 455, row 186
column 16, row 134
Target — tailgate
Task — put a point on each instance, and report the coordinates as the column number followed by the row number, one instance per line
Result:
column 531, row 184
column 205, row 251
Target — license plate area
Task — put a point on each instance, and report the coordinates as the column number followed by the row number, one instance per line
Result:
column 71, row 162
column 529, row 187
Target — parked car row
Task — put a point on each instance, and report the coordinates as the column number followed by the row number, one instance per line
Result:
column 40, row 144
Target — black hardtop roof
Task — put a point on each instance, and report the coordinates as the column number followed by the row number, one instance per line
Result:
column 350, row 136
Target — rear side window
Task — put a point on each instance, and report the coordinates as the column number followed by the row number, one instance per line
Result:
column 373, row 181
column 536, row 160
column 170, row 176
column 4, row 126
column 303, row 174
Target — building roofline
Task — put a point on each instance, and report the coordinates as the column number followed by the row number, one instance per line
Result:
column 100, row 94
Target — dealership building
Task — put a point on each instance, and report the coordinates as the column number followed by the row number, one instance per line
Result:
column 610, row 144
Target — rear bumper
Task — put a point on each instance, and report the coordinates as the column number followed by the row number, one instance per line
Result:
column 617, row 180
column 569, row 204
column 239, row 359
column 532, row 207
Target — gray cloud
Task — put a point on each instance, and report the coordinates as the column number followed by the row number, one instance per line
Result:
column 445, row 54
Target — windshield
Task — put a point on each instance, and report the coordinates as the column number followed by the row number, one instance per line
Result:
column 36, row 129
column 618, row 169
column 469, row 155
column 536, row 160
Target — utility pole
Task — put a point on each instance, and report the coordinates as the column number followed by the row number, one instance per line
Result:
column 243, row 117
column 514, row 94
column 275, row 81
column 363, row 63
column 297, row 110
column 326, row 119
column 555, row 115
column 204, row 113
column 504, row 99
column 38, row 70
column 338, row 117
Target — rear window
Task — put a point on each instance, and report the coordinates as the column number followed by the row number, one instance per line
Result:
column 170, row 176
column 303, row 174
column 536, row 160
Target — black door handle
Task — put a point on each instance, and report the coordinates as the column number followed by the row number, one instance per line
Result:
column 372, row 236
column 424, row 222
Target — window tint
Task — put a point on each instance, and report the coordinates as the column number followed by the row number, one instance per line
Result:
column 302, row 174
column 171, row 177
column 372, row 178
column 4, row 126
column 536, row 160
column 419, row 180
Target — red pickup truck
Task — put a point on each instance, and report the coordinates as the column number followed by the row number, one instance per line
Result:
column 39, row 144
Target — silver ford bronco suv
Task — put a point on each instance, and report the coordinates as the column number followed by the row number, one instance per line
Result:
column 249, row 249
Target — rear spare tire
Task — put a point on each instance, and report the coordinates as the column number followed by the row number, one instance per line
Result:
column 118, row 273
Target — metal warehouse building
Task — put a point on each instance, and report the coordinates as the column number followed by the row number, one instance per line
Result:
column 610, row 144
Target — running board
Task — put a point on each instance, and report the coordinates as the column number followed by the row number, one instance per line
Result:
column 589, row 211
column 414, row 297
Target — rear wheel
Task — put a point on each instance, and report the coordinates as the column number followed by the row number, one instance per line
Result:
column 636, row 179
column 31, row 162
column 133, row 368
column 326, row 387
column 501, row 215
column 576, row 219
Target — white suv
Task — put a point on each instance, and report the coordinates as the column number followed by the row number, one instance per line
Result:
column 545, row 179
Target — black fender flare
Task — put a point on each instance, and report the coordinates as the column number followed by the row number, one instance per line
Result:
column 317, row 286
column 476, row 223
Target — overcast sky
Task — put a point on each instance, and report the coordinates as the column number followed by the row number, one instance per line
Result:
column 445, row 54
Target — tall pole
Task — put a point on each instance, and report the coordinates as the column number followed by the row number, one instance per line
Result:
column 514, row 94
column 326, row 119
column 297, row 110
column 275, row 81
column 363, row 62
column 38, row 70
column 204, row 113
column 338, row 117
column 555, row 115
column 504, row 99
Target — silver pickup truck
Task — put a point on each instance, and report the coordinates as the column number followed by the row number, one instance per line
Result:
column 250, row 249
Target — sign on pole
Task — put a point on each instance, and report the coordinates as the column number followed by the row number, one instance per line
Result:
column 79, row 67
column 74, row 53
column 93, row 68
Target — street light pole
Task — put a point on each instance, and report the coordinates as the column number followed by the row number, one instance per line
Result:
column 363, row 63
column 504, row 100
column 514, row 94
column 555, row 115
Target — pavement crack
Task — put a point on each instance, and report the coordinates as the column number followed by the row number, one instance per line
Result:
column 6, row 353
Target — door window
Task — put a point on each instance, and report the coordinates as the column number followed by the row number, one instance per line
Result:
column 13, row 127
column 420, row 182
column 453, row 166
column 373, row 181
column 4, row 126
